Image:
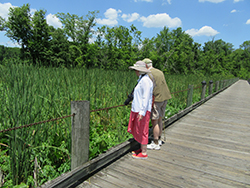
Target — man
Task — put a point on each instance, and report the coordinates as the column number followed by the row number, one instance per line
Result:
column 161, row 94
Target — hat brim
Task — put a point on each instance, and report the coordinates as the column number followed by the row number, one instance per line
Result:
column 141, row 69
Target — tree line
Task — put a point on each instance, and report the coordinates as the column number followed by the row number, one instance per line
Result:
column 8, row 53
column 79, row 43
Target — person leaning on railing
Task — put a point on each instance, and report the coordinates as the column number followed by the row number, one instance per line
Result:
column 141, row 109
column 161, row 95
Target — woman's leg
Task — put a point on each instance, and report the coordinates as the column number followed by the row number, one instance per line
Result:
column 144, row 149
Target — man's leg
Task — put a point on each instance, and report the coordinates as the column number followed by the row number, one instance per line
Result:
column 160, row 127
column 161, row 114
column 156, row 130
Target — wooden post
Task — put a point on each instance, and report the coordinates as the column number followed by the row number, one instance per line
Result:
column 210, row 87
column 217, row 86
column 221, row 84
column 79, row 133
column 203, row 89
column 36, row 172
column 1, row 177
column 190, row 95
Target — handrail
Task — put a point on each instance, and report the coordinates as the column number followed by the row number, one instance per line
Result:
column 31, row 124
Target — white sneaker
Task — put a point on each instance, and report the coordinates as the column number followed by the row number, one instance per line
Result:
column 153, row 146
column 160, row 142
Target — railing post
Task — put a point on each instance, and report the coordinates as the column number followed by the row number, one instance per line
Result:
column 210, row 87
column 203, row 89
column 217, row 86
column 221, row 84
column 190, row 95
column 1, row 177
column 79, row 133
column 36, row 172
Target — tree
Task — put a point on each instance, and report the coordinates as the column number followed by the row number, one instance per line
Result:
column 18, row 27
column 116, row 47
column 245, row 45
column 9, row 52
column 38, row 42
column 246, row 58
column 2, row 24
column 31, row 32
column 79, row 30
column 181, row 60
column 59, row 48
column 216, row 55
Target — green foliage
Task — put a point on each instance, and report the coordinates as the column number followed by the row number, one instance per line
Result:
column 8, row 53
column 31, row 32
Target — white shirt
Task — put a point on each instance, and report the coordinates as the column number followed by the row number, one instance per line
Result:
column 143, row 93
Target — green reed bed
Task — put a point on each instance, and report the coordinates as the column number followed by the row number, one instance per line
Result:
column 32, row 94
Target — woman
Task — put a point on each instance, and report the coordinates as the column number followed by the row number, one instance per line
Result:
column 141, row 108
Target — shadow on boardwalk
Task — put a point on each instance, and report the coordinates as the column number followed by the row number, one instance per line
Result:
column 209, row 147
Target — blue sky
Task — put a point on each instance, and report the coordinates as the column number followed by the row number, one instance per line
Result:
column 204, row 20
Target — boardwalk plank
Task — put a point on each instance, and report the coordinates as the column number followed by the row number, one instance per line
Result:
column 216, row 142
column 211, row 170
column 196, row 153
column 227, row 135
column 189, row 169
column 197, row 121
column 144, row 174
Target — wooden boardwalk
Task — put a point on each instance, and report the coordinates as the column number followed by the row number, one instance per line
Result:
column 209, row 147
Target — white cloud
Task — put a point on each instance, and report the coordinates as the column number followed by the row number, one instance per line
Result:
column 248, row 21
column 160, row 20
column 130, row 17
column 236, row 1
column 53, row 20
column 32, row 12
column 233, row 11
column 165, row 2
column 4, row 9
column 151, row 1
column 206, row 30
column 111, row 17
column 144, row 0
column 212, row 1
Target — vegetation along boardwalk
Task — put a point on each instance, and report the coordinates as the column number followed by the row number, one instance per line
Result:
column 209, row 147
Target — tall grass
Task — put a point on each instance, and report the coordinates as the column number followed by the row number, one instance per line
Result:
column 31, row 94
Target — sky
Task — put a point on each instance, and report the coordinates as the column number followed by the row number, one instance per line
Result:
column 203, row 20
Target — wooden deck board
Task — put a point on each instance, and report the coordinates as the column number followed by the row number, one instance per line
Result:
column 209, row 147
